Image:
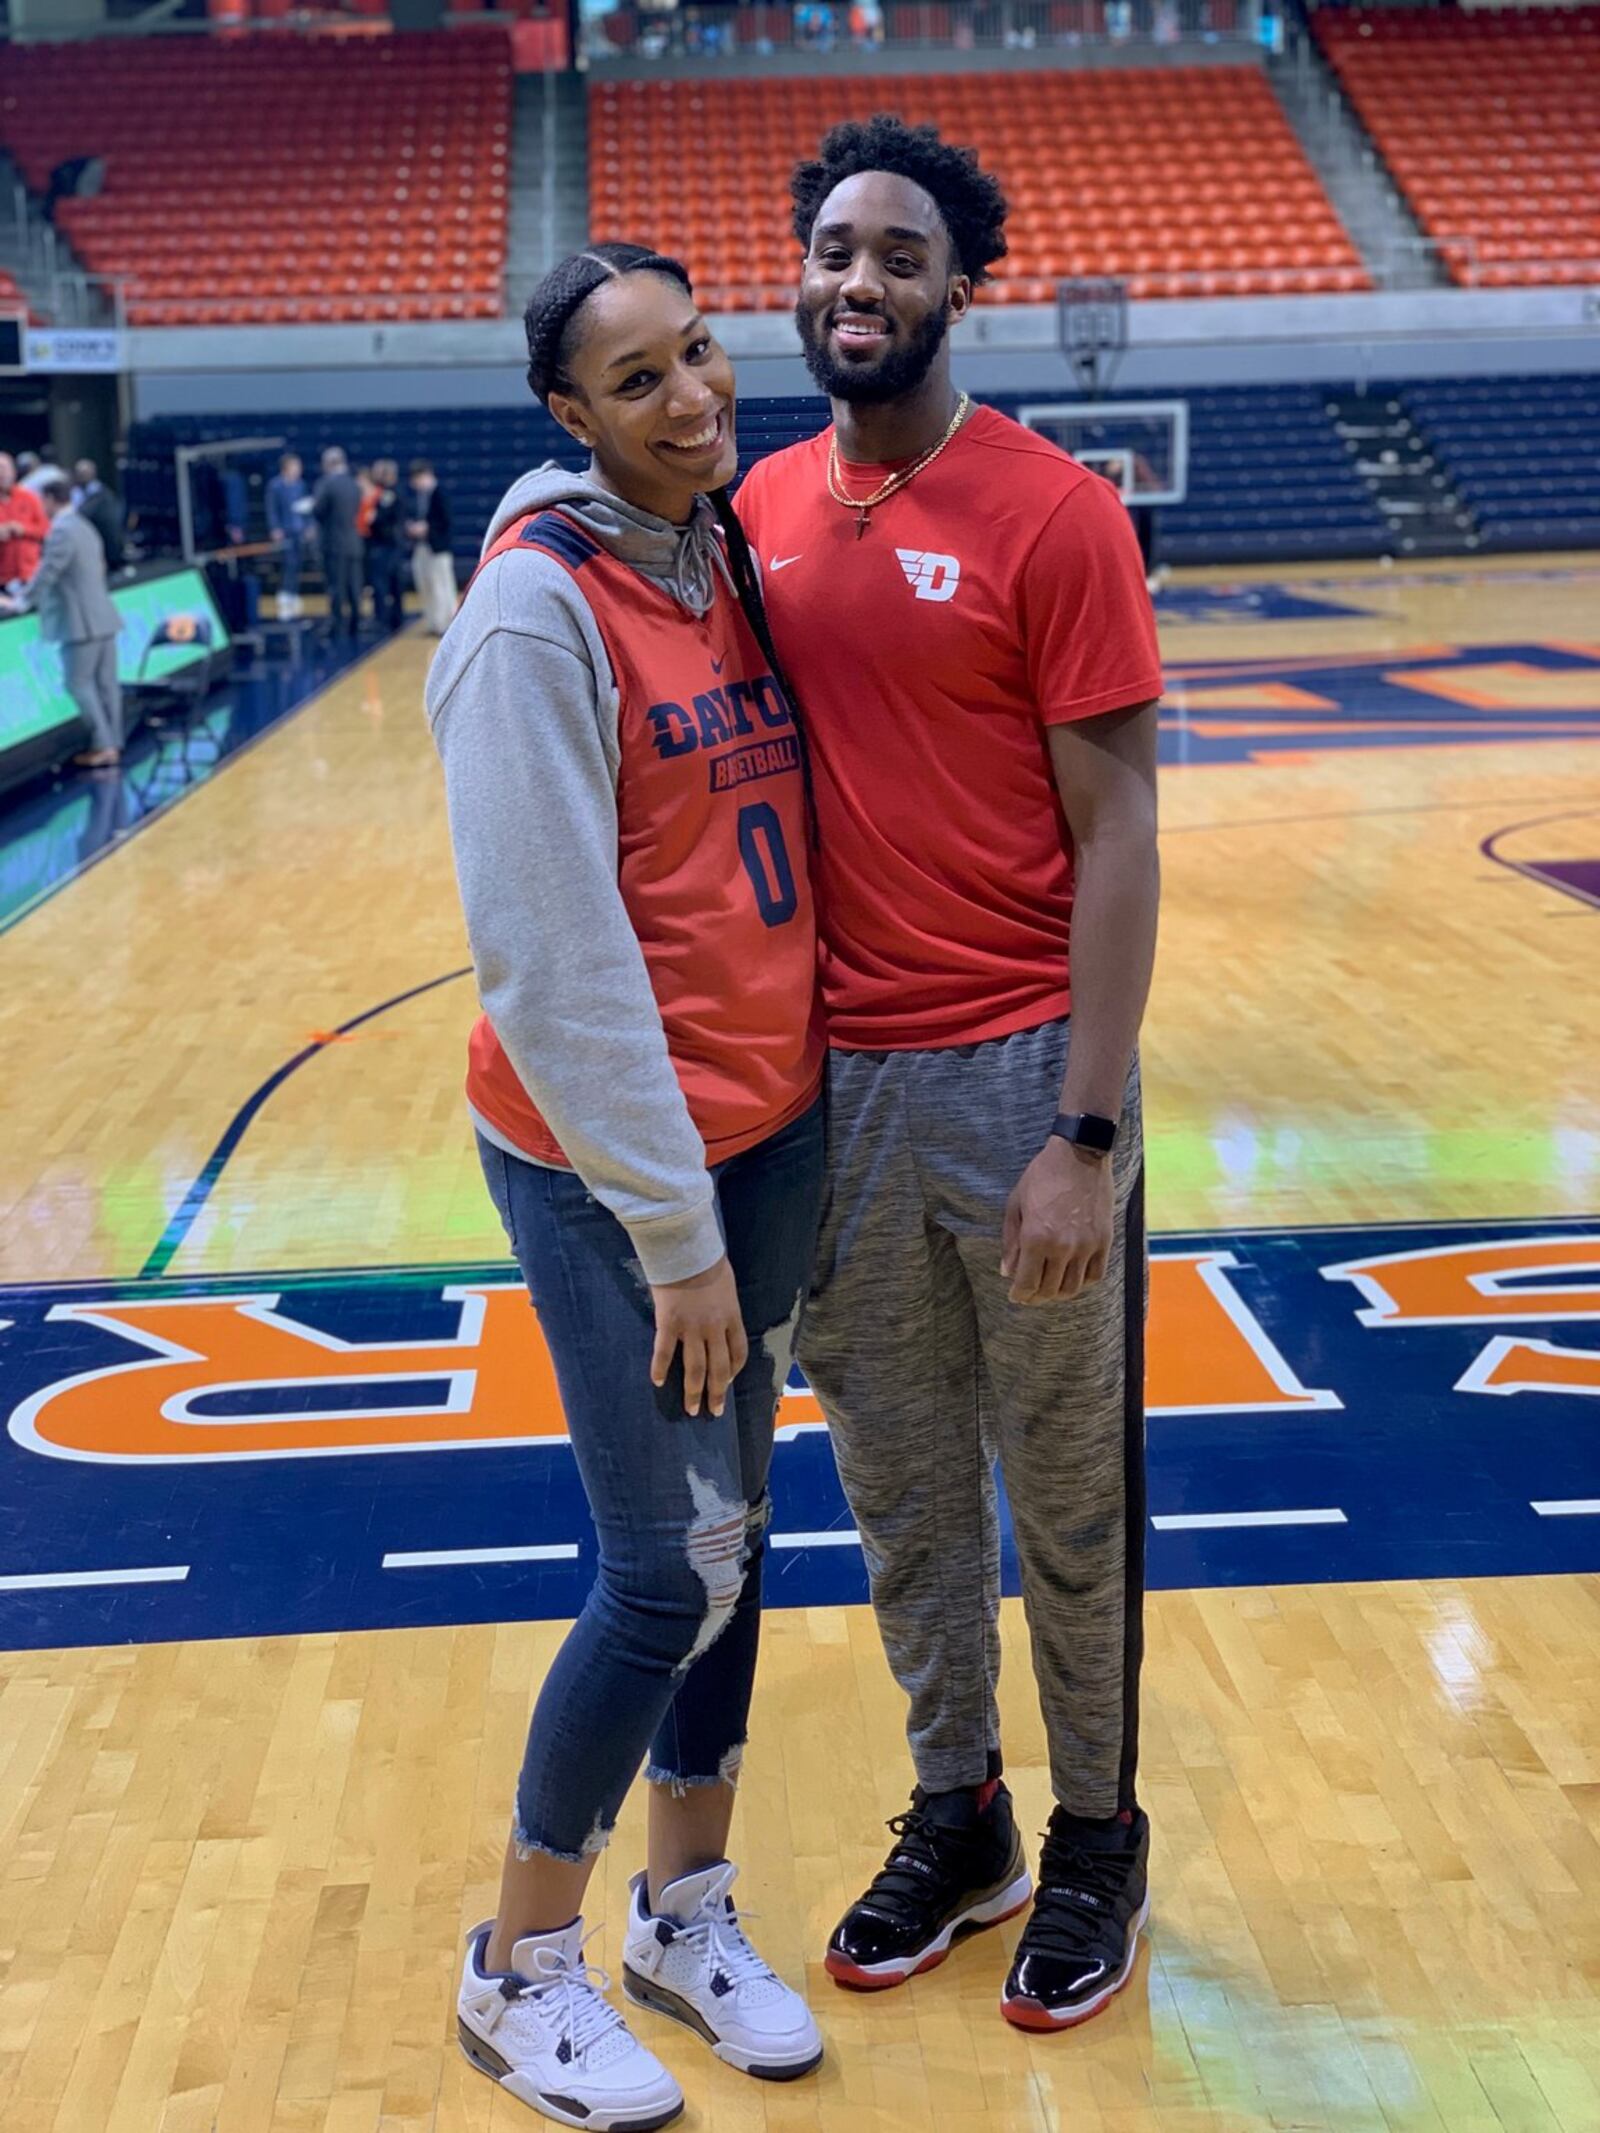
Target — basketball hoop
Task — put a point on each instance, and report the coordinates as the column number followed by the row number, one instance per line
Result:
column 1092, row 320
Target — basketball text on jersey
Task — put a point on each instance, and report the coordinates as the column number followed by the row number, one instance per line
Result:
column 930, row 576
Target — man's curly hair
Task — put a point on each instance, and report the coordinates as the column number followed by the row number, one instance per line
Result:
column 968, row 197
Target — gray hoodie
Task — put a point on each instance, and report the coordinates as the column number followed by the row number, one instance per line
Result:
column 524, row 713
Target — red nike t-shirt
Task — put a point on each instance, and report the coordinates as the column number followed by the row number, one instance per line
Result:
column 997, row 594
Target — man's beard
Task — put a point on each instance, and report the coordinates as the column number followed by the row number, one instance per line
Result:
column 899, row 372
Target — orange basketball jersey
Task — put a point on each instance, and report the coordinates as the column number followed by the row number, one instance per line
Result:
column 711, row 857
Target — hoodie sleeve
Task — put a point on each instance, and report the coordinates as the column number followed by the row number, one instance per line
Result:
column 524, row 716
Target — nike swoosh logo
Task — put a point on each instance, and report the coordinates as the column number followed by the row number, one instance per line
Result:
column 782, row 562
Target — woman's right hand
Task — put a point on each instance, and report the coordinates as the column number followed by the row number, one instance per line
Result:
column 702, row 1317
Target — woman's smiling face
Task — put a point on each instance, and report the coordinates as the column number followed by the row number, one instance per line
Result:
column 652, row 394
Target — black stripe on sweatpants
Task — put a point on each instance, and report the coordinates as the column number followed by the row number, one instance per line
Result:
column 1134, row 1297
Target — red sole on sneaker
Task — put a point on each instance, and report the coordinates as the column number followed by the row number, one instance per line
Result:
column 1032, row 2015
column 844, row 1972
column 1028, row 2014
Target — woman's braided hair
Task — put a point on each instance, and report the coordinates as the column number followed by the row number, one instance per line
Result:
column 564, row 291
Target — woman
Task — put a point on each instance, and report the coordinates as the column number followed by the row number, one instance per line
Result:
column 628, row 811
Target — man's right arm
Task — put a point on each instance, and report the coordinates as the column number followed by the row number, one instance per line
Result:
column 55, row 560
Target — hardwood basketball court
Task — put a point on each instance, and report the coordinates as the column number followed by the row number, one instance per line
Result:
column 251, row 1798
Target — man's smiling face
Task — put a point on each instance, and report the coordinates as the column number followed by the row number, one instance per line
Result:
column 879, row 290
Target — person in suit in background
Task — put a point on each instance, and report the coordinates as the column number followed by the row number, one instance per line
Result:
column 92, row 500
column 34, row 472
column 335, row 507
column 383, row 546
column 289, row 523
column 69, row 595
column 23, row 526
column 433, row 564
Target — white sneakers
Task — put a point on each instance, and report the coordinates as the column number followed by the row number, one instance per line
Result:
column 693, row 1963
column 549, row 2037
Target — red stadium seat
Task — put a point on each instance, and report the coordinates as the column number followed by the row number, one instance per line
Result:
column 1490, row 124
column 1160, row 174
column 328, row 140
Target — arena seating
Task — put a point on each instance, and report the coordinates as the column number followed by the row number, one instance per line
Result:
column 281, row 178
column 1269, row 476
column 1490, row 124
column 1522, row 453
column 1189, row 181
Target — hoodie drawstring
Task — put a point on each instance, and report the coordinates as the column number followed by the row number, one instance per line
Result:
column 696, row 561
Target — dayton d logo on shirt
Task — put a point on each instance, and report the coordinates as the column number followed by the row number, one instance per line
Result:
column 930, row 576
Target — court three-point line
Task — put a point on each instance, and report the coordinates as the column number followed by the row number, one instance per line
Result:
column 1569, row 1507
column 448, row 1558
column 201, row 1186
column 48, row 1580
column 1207, row 1521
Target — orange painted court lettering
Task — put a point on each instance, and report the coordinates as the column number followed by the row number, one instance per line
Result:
column 1455, row 1284
column 500, row 1383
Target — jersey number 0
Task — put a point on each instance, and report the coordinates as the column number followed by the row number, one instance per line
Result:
column 766, row 861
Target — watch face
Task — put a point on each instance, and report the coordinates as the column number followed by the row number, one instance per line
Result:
column 1084, row 1130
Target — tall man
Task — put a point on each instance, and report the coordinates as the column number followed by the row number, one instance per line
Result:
column 335, row 507
column 75, row 611
column 963, row 612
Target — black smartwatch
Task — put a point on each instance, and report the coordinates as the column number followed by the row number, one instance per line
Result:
column 1096, row 1136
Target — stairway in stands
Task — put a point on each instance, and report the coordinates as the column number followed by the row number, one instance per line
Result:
column 549, row 208
column 1402, row 474
column 1345, row 158
column 37, row 261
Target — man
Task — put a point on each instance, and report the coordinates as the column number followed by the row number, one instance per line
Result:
column 289, row 524
column 75, row 611
column 433, row 563
column 336, row 507
column 382, row 535
column 92, row 500
column 34, row 472
column 964, row 613
column 23, row 526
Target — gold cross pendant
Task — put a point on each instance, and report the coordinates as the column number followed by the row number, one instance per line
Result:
column 861, row 524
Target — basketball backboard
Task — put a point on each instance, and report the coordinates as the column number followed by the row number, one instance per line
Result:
column 1141, row 446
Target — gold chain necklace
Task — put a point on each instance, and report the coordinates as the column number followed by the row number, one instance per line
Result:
column 864, row 506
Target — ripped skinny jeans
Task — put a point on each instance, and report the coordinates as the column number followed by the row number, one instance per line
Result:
column 662, row 1659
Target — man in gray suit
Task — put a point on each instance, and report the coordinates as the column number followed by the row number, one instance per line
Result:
column 334, row 507
column 68, row 592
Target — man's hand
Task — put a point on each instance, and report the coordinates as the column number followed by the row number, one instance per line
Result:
column 702, row 1315
column 1057, row 1234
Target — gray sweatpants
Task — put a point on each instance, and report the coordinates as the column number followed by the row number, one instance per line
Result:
column 927, row 1372
column 90, row 671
